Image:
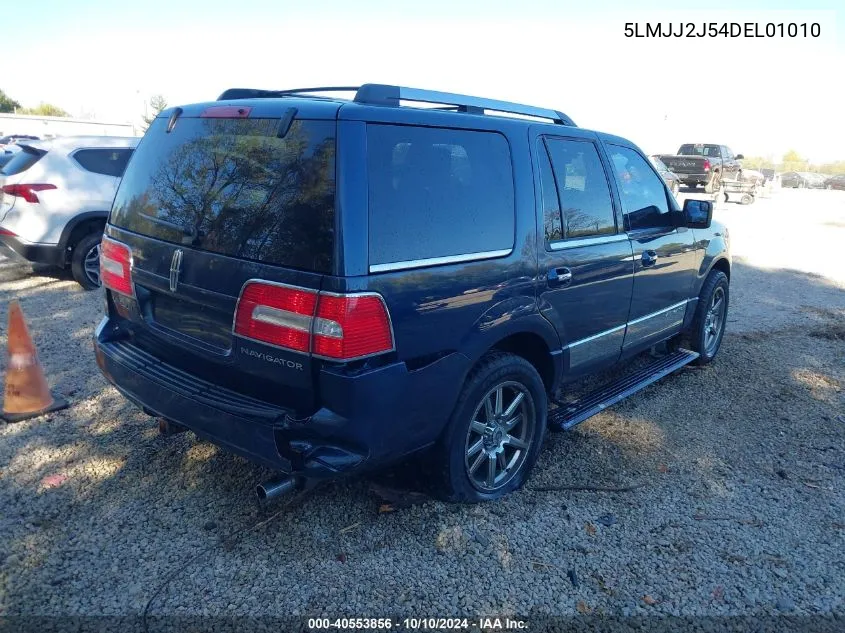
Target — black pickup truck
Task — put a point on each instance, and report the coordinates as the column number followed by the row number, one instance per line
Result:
column 704, row 164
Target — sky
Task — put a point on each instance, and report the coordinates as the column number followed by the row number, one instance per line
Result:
column 105, row 58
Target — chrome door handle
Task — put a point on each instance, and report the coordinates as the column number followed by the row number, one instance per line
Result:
column 649, row 258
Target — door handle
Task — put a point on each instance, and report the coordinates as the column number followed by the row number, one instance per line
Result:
column 649, row 258
column 559, row 277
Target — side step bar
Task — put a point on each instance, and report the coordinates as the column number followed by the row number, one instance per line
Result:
column 567, row 415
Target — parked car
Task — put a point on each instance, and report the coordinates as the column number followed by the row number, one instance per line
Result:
column 55, row 197
column 704, row 164
column 793, row 180
column 671, row 179
column 768, row 175
column 835, row 182
column 326, row 286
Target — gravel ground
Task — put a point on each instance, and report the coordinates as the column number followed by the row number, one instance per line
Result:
column 737, row 469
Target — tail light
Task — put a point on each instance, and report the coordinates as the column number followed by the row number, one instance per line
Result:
column 340, row 327
column 27, row 191
column 7, row 232
column 706, row 165
column 116, row 266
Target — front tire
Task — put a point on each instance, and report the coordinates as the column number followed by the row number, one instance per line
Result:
column 711, row 315
column 85, row 261
column 495, row 432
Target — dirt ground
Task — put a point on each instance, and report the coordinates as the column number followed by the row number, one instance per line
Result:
column 731, row 499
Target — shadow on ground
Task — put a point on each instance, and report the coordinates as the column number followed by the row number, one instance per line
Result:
column 740, row 466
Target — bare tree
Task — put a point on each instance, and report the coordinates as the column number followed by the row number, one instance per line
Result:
column 157, row 104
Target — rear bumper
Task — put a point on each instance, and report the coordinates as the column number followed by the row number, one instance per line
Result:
column 366, row 421
column 695, row 179
column 50, row 254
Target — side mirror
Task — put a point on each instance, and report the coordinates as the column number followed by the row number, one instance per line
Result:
column 739, row 156
column 698, row 213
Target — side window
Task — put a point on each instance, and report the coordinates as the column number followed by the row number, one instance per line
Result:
column 436, row 192
column 105, row 161
column 727, row 154
column 641, row 189
column 586, row 205
column 548, row 190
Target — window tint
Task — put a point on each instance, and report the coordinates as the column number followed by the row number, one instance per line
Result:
column 551, row 203
column 22, row 160
column 232, row 186
column 641, row 190
column 582, row 186
column 106, row 161
column 437, row 192
column 699, row 150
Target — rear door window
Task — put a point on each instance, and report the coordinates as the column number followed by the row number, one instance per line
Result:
column 105, row 161
column 235, row 187
column 436, row 192
column 585, row 202
column 22, row 160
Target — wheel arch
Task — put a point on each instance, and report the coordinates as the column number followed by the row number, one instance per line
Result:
column 723, row 265
column 79, row 226
column 530, row 336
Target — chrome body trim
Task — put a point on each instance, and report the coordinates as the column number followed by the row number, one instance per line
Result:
column 438, row 261
column 609, row 342
column 561, row 245
column 656, row 324
column 602, row 345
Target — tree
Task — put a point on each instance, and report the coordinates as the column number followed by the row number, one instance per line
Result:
column 792, row 157
column 7, row 104
column 157, row 104
column 44, row 109
column 792, row 161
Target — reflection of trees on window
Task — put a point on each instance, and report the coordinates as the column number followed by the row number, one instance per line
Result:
column 584, row 194
column 238, row 189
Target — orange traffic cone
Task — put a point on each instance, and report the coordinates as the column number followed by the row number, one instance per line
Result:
column 26, row 394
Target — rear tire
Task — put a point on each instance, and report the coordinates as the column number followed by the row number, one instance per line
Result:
column 495, row 432
column 708, row 326
column 85, row 261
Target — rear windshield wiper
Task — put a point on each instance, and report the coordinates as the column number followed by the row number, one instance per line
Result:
column 189, row 233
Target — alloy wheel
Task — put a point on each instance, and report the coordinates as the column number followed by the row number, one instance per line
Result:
column 714, row 321
column 91, row 264
column 500, row 436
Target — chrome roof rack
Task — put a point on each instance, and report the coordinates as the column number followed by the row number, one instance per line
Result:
column 387, row 95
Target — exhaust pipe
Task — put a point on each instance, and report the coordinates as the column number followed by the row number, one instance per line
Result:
column 169, row 427
column 270, row 490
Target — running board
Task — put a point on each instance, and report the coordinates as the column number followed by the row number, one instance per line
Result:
column 568, row 414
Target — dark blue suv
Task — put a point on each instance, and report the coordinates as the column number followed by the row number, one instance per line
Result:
column 326, row 285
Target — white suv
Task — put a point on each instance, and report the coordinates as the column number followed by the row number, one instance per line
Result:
column 55, row 197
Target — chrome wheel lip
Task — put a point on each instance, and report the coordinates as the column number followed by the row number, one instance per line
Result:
column 500, row 436
column 714, row 321
column 91, row 265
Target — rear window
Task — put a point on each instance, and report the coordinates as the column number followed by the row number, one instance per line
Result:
column 437, row 192
column 233, row 186
column 699, row 150
column 105, row 161
column 22, row 160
